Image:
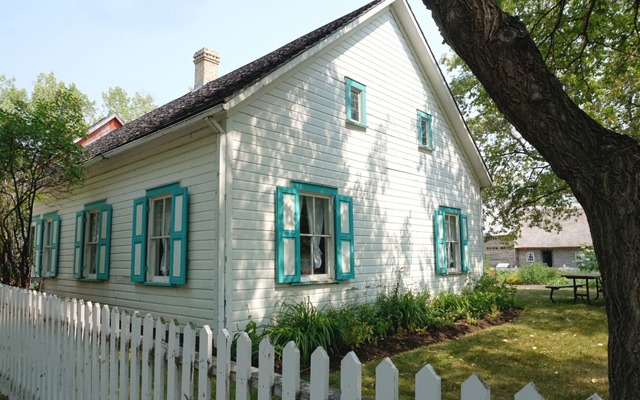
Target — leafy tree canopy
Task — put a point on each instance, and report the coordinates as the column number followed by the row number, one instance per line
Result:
column 117, row 101
column 593, row 48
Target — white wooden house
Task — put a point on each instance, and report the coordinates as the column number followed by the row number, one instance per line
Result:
column 332, row 168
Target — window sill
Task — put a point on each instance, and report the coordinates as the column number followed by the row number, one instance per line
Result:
column 166, row 284
column 355, row 124
column 313, row 283
column 425, row 149
column 451, row 274
column 90, row 280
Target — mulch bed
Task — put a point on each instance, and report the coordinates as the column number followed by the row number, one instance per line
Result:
column 406, row 341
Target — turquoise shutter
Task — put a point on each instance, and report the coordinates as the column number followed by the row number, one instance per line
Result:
column 55, row 239
column 440, row 234
column 345, row 263
column 37, row 246
column 464, row 242
column 179, row 226
column 78, row 245
column 104, row 242
column 287, row 235
column 139, row 240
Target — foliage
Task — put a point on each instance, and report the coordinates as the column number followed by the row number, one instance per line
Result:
column 587, row 259
column 348, row 327
column 592, row 47
column 127, row 107
column 531, row 274
column 38, row 159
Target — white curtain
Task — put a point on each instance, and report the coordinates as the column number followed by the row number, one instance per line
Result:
column 315, row 216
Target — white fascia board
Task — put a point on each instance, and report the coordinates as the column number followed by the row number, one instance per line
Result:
column 441, row 90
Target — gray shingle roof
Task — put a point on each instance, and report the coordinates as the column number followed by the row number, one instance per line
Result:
column 575, row 231
column 215, row 92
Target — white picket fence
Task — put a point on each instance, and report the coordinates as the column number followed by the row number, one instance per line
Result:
column 53, row 348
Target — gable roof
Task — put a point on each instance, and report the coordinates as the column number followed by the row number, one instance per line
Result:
column 575, row 232
column 228, row 90
column 215, row 92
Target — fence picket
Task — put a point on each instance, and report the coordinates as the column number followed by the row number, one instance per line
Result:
column 159, row 360
column 88, row 331
column 223, row 367
column 594, row 397
column 290, row 372
column 351, row 377
column 204, row 361
column 387, row 380
column 188, row 361
column 125, row 338
column 319, row 374
column 114, row 340
column 95, row 351
column 265, row 374
column 428, row 385
column 243, row 368
column 134, row 355
column 529, row 392
column 173, row 383
column 105, row 333
column 80, row 327
column 147, row 348
column 474, row 388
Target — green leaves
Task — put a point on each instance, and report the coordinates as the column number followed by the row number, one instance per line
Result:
column 127, row 107
column 593, row 48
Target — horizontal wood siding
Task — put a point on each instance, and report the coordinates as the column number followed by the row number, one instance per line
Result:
column 296, row 130
column 185, row 157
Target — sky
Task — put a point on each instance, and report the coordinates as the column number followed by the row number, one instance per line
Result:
column 148, row 45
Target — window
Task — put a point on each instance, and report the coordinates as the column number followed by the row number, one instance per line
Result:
column 314, row 234
column 356, row 103
column 452, row 241
column 530, row 257
column 159, row 238
column 425, row 134
column 92, row 242
column 47, row 233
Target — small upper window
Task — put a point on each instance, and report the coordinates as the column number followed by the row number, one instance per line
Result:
column 356, row 102
column 425, row 133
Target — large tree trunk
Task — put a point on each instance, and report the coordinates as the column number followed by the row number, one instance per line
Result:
column 602, row 167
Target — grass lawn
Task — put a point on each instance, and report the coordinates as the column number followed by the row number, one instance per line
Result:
column 561, row 347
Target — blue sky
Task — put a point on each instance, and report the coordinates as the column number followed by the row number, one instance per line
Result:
column 148, row 46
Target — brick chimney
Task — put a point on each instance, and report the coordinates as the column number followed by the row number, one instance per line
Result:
column 206, row 62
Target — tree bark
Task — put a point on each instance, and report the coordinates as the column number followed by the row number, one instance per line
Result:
column 601, row 166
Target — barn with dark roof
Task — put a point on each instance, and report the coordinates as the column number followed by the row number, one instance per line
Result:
column 330, row 169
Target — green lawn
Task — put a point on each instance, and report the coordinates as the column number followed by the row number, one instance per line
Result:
column 561, row 347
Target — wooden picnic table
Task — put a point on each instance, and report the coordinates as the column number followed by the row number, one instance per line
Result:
column 587, row 277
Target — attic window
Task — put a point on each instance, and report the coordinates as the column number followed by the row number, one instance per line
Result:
column 356, row 102
column 425, row 133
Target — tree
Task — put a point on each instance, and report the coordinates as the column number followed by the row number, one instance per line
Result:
column 591, row 48
column 600, row 165
column 128, row 108
column 39, row 159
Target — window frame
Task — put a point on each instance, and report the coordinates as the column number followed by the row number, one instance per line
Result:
column 288, row 236
column 425, row 120
column 352, row 86
column 178, row 229
column 102, row 245
column 528, row 259
column 442, row 266
column 50, row 224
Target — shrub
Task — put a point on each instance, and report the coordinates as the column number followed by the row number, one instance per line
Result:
column 538, row 274
column 587, row 261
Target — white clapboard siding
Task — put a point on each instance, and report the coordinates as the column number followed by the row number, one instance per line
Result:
column 32, row 323
column 295, row 131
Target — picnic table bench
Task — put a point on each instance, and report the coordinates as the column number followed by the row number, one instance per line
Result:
column 562, row 286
